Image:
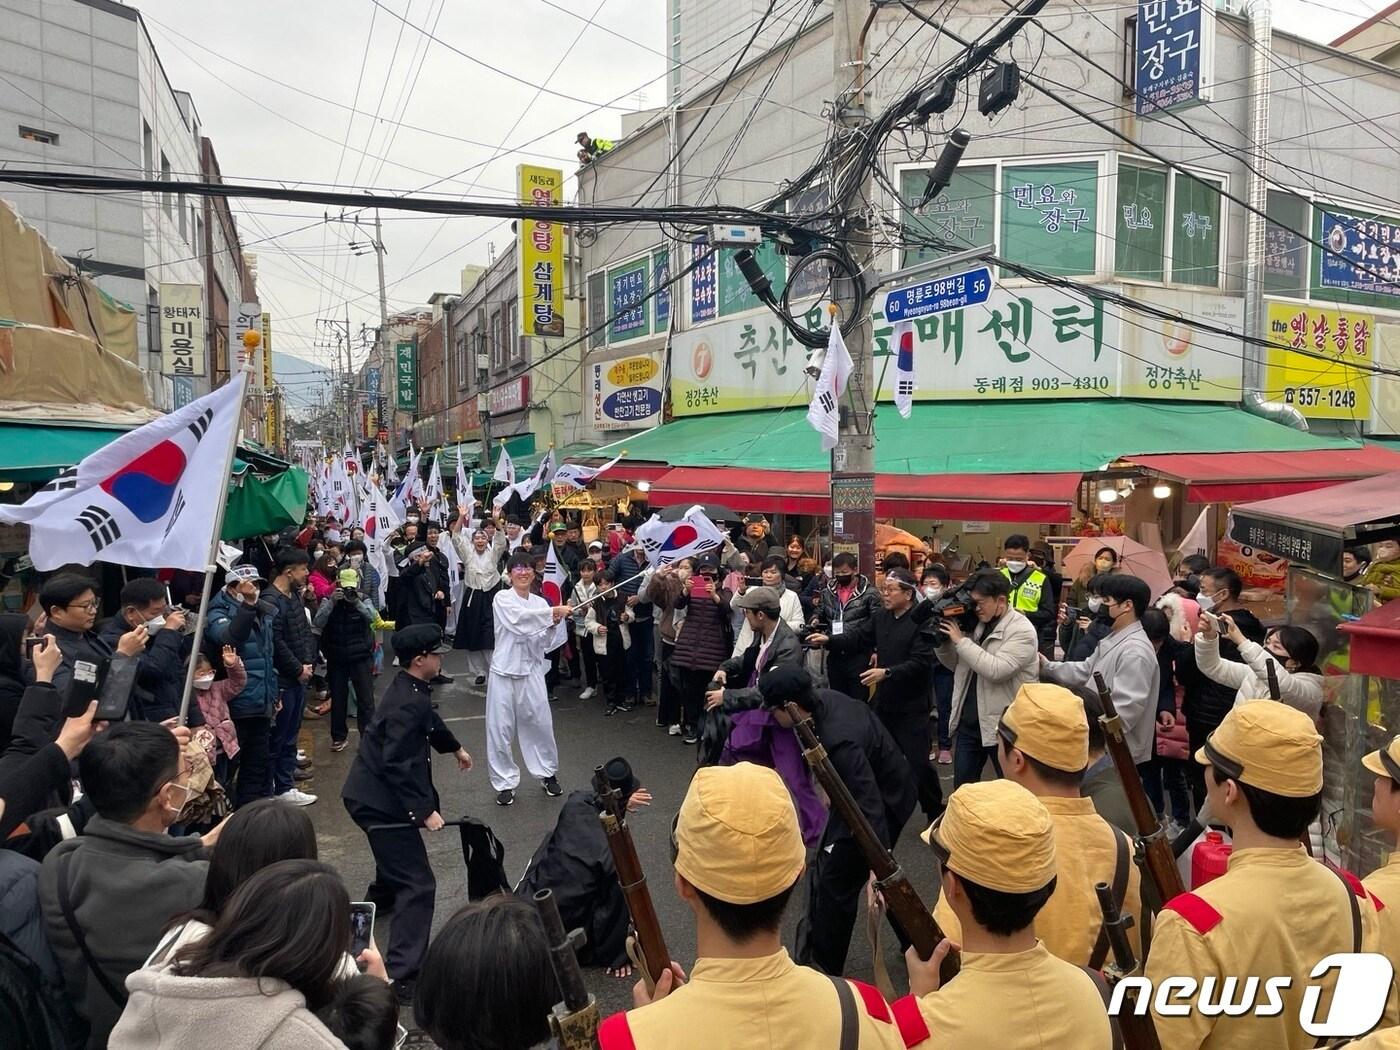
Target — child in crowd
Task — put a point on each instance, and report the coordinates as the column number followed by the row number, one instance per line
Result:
column 586, row 589
column 213, row 696
column 1382, row 577
column 363, row 1013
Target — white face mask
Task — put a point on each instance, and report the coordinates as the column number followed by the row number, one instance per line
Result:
column 1015, row 566
column 203, row 681
column 1094, row 604
column 155, row 623
column 826, row 571
column 932, row 591
column 1206, row 602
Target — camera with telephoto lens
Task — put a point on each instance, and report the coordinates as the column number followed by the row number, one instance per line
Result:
column 957, row 605
column 808, row 629
column 351, row 594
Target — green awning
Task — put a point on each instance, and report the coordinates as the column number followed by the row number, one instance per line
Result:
column 38, row 451
column 259, row 505
column 1008, row 437
column 1385, row 442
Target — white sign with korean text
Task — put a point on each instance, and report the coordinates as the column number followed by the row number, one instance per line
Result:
column 626, row 393
column 244, row 318
column 182, row 330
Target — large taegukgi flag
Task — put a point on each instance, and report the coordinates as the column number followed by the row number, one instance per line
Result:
column 148, row 499
column 665, row 542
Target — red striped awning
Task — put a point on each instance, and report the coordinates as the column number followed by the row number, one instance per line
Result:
column 980, row 497
column 1216, row 477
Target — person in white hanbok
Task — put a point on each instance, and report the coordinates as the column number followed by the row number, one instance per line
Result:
column 527, row 628
column 481, row 579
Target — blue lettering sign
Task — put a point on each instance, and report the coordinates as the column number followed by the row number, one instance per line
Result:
column 1174, row 52
column 939, row 295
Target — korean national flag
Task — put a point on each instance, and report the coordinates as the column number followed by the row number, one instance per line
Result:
column 824, row 412
column 148, row 499
column 904, row 368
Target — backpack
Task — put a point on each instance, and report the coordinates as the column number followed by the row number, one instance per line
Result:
column 33, row 1013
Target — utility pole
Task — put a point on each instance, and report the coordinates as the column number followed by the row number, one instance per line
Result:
column 853, row 458
column 335, row 335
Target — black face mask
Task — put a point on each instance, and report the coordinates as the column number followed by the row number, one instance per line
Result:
column 844, row 581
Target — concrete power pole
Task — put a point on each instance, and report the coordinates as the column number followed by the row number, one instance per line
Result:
column 853, row 458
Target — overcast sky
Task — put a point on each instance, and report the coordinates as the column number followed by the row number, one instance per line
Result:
column 465, row 120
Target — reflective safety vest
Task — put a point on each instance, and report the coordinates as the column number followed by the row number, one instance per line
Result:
column 1026, row 598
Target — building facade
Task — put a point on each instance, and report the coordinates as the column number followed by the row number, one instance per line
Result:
column 84, row 90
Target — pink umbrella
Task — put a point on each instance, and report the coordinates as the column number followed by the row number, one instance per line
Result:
column 1134, row 558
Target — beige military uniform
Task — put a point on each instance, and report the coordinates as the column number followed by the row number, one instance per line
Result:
column 753, row 1004
column 1070, row 922
column 1024, row 1001
column 1383, row 884
column 1275, row 912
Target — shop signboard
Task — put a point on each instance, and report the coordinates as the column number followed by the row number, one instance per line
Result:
column 245, row 317
column 626, row 394
column 509, row 397
column 1320, row 360
column 1294, row 541
column 182, row 330
column 1385, row 389
column 629, row 312
column 406, row 376
column 266, row 321
column 1175, row 50
column 704, row 282
column 1023, row 343
column 1363, row 255
column 372, row 383
column 540, row 248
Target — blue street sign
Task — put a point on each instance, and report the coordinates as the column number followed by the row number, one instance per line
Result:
column 940, row 295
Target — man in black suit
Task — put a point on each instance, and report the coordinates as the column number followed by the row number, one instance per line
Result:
column 391, row 782
column 871, row 764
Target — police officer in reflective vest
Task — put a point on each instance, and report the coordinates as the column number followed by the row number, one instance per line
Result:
column 1031, row 593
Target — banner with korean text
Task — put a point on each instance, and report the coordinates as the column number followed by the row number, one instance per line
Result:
column 1321, row 359
column 1023, row 343
column 182, row 330
column 541, row 254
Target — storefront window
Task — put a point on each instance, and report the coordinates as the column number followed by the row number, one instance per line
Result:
column 962, row 216
column 1049, row 216
column 1196, row 231
column 1285, row 247
column 1141, row 238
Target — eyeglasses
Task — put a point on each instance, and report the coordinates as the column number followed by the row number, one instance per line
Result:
column 91, row 606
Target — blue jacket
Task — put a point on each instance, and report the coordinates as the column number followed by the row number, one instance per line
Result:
column 249, row 629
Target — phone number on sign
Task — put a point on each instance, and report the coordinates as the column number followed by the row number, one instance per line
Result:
column 1049, row 384
column 1313, row 396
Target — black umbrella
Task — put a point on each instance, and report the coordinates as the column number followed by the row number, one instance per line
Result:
column 713, row 511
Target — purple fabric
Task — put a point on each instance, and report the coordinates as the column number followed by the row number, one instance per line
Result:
column 755, row 737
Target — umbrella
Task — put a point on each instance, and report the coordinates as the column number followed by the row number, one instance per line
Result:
column 1134, row 558
column 713, row 511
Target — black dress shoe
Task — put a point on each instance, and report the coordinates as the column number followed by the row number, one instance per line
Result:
column 441, row 679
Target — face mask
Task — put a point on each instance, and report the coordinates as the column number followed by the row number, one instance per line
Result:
column 932, row 591
column 155, row 623
column 204, row 681
column 844, row 580
column 1094, row 604
column 317, row 552
column 1206, row 602
column 356, row 560
column 1015, row 566
column 1104, row 565
column 826, row 571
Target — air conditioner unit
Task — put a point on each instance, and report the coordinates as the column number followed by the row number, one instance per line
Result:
column 483, row 361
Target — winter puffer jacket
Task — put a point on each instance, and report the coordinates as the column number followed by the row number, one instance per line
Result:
column 1300, row 689
column 702, row 643
column 293, row 643
column 250, row 630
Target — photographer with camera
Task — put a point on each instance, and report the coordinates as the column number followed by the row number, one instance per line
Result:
column 989, row 664
column 845, row 600
column 902, row 642
column 348, row 641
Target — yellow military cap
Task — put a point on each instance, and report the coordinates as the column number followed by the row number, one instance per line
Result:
column 737, row 836
column 1386, row 761
column 998, row 835
column 1048, row 723
column 1268, row 745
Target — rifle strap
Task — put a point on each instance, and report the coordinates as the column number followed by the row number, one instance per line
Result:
column 1106, row 994
column 874, row 916
column 850, row 1019
column 1120, row 890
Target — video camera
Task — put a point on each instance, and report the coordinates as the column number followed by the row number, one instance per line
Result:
column 957, row 605
column 808, row 629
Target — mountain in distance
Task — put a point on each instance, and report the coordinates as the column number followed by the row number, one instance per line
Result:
column 302, row 381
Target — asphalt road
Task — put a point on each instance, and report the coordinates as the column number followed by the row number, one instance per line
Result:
column 586, row 738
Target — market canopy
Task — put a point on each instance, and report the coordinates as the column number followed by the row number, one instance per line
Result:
column 1312, row 528
column 265, row 495
column 973, row 437
column 38, row 451
column 1375, row 642
column 1217, row 477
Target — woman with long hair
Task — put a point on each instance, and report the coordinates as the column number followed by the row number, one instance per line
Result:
column 272, row 958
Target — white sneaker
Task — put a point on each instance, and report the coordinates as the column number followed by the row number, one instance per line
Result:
column 588, row 694
column 296, row 797
column 674, row 731
column 301, row 755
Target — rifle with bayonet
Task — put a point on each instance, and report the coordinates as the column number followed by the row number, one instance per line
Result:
column 903, row 901
column 647, row 945
column 1138, row 1031
column 574, row 1020
column 1151, row 838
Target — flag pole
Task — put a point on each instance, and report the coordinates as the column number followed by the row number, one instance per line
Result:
column 251, row 339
